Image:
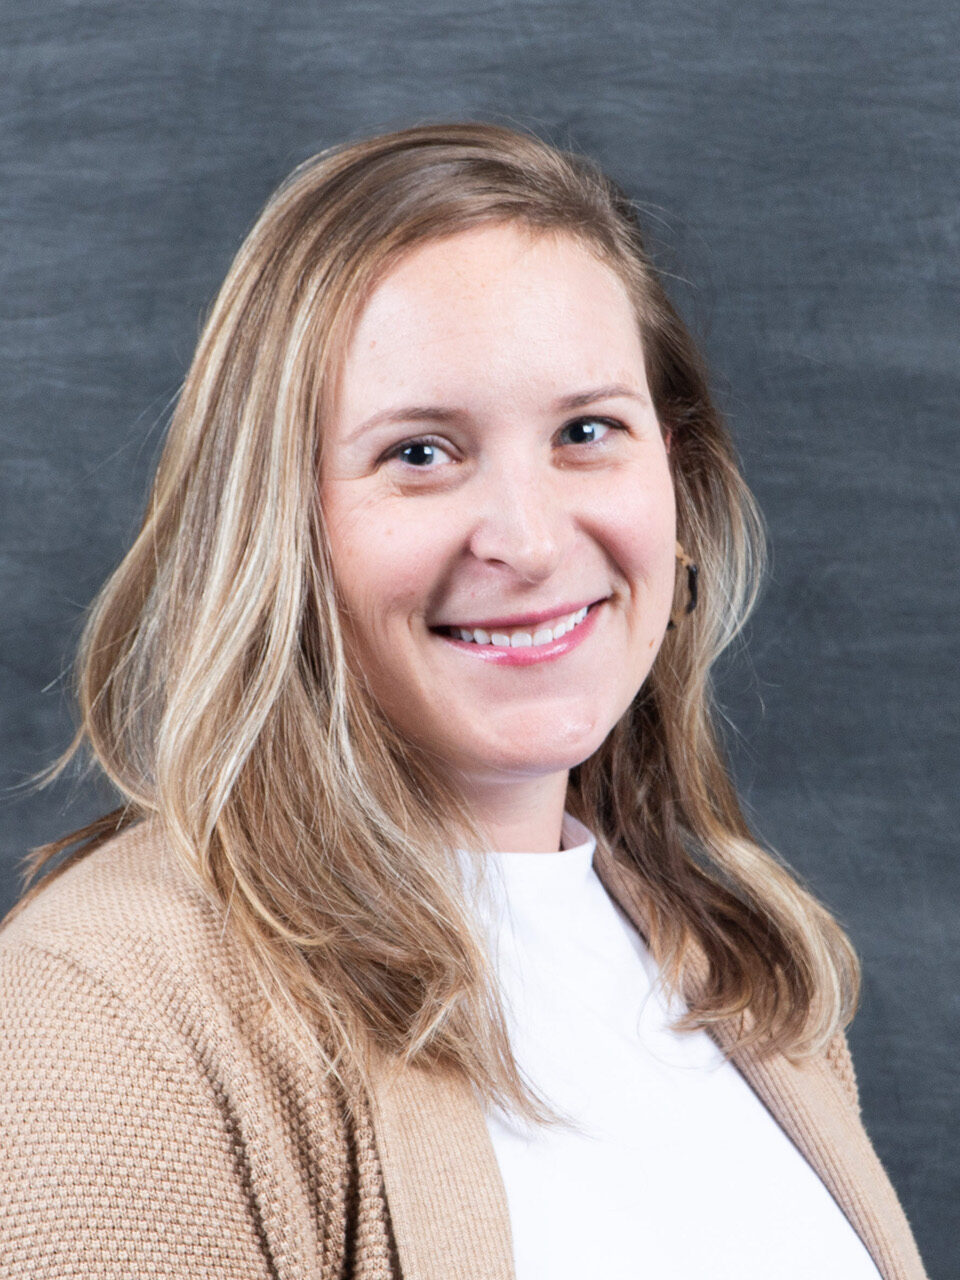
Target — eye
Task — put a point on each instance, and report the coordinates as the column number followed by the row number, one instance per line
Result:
column 579, row 424
column 423, row 447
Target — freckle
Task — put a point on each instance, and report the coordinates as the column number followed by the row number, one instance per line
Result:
column 650, row 645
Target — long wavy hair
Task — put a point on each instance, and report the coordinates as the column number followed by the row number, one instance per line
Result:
column 213, row 689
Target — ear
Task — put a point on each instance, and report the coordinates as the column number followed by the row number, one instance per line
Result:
column 669, row 437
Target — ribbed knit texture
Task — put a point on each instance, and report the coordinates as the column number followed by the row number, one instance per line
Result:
column 152, row 1124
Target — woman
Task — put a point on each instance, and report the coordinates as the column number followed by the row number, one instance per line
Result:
column 430, row 938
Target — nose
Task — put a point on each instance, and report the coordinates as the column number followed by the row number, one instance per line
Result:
column 519, row 520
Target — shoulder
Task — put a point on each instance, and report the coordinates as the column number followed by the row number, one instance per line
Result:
column 128, row 927
column 124, row 911
column 127, row 924
column 124, row 940
column 124, row 954
column 840, row 1062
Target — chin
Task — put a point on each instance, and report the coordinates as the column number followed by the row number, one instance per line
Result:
column 541, row 758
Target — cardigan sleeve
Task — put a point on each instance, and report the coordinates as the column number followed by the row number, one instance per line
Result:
column 117, row 1157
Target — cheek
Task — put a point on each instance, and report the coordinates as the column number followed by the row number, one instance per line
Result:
column 381, row 562
column 640, row 523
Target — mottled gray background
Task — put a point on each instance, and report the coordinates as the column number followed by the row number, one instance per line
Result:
column 800, row 167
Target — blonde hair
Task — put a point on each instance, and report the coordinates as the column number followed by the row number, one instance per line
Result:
column 214, row 693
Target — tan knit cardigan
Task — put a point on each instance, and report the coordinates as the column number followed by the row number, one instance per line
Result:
column 150, row 1127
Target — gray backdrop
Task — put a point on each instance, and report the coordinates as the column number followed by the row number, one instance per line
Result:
column 800, row 165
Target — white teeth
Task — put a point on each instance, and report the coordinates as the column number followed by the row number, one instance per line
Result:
column 519, row 639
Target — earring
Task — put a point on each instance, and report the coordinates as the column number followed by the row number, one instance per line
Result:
column 692, row 571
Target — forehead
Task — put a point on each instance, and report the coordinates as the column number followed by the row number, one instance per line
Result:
column 491, row 305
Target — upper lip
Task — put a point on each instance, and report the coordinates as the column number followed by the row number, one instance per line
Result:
column 526, row 619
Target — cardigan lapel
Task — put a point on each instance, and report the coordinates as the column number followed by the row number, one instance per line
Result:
column 808, row 1102
column 448, row 1206
column 446, row 1197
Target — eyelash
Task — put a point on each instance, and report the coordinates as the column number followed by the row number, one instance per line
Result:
column 435, row 440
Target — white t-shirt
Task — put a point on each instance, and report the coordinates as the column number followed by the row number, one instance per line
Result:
column 680, row 1172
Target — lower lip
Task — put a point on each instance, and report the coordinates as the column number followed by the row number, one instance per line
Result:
column 527, row 655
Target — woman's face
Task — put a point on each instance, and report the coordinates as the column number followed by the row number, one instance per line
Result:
column 492, row 462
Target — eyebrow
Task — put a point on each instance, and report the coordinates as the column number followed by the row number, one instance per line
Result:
column 442, row 415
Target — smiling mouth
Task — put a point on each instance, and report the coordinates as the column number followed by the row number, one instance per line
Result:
column 533, row 636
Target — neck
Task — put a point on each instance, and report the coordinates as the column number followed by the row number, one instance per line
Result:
column 520, row 816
